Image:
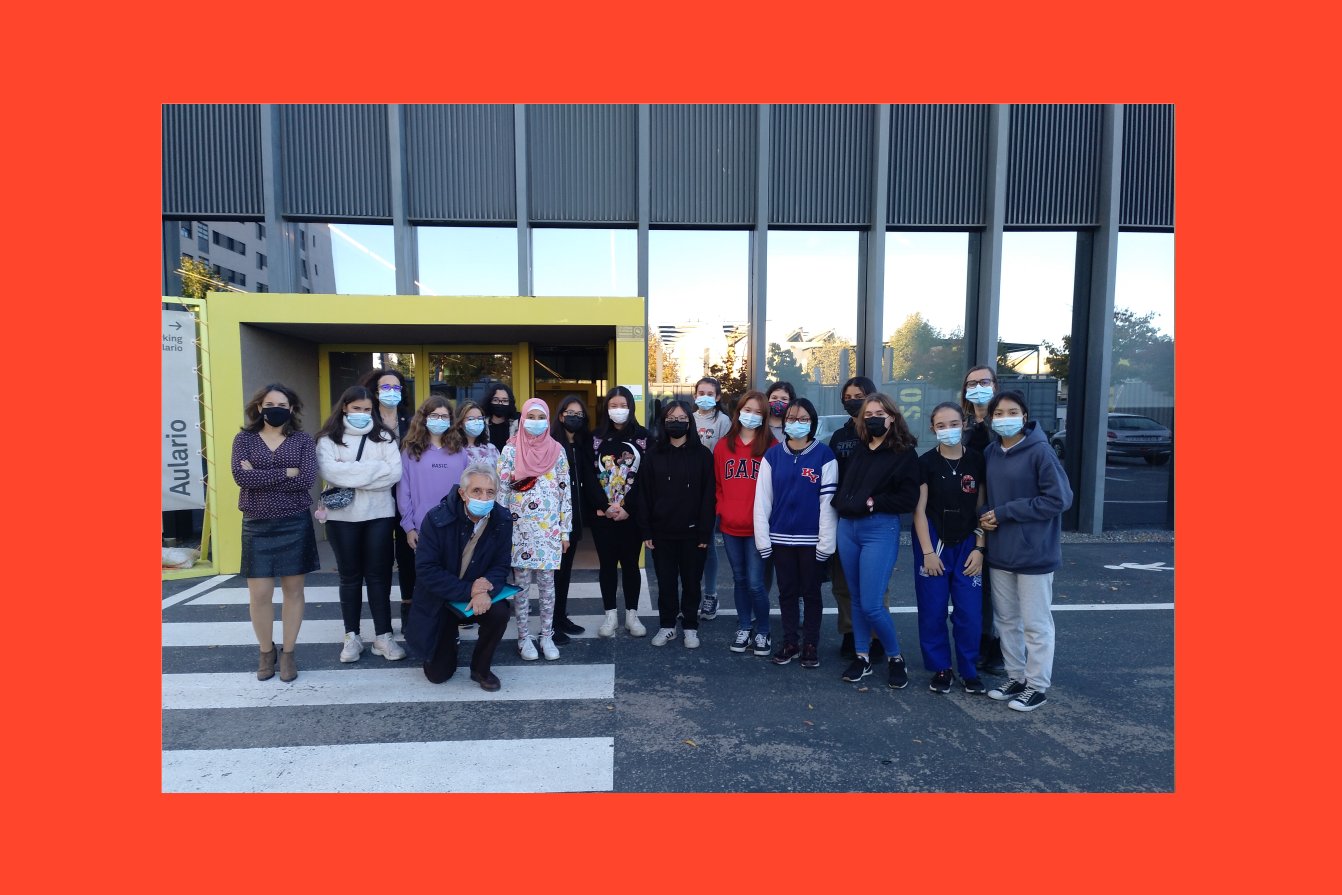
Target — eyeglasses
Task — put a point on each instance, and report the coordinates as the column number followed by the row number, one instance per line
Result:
column 389, row 388
column 573, row 416
column 677, row 419
column 441, row 417
column 986, row 383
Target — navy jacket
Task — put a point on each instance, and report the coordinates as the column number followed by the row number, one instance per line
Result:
column 442, row 537
column 1028, row 490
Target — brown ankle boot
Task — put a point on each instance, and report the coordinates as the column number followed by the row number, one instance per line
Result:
column 288, row 670
column 266, row 669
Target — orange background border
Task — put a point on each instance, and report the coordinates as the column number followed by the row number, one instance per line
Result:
column 84, row 146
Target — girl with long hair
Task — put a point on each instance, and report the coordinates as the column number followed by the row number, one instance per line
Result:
column 710, row 424
column 618, row 446
column 736, row 468
column 571, row 430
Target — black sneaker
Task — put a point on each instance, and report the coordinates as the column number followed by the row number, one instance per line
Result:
column 941, row 682
column 786, row 653
column 975, row 686
column 1006, row 691
column 1028, row 700
column 846, row 648
column 899, row 678
column 560, row 638
column 857, row 670
column 877, row 652
column 810, row 656
column 708, row 608
column 762, row 645
column 740, row 642
column 568, row 626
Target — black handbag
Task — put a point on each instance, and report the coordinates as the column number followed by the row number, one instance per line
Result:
column 339, row 498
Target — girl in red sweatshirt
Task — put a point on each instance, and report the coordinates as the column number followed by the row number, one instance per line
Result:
column 736, row 466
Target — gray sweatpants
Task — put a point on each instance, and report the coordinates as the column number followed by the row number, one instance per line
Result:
column 1023, row 615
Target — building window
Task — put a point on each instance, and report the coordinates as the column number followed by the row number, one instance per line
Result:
column 302, row 237
column 314, row 239
column 203, row 245
column 262, row 287
column 467, row 260
column 306, row 289
column 203, row 231
column 230, row 243
column 587, row 262
column 305, row 267
column 260, row 261
column 260, row 231
column 186, row 229
column 360, row 262
column 316, row 271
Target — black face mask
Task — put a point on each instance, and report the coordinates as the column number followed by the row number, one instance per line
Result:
column 276, row 416
column 876, row 426
column 504, row 410
column 573, row 423
column 853, row 405
column 676, row 428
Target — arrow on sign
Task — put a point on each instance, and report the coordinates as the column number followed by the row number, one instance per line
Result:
column 177, row 324
column 1143, row 566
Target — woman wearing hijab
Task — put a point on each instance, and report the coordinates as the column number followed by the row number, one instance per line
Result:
column 534, row 486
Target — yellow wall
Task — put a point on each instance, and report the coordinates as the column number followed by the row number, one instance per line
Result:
column 228, row 311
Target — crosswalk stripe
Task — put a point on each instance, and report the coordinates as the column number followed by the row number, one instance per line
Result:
column 403, row 683
column 332, row 630
column 571, row 764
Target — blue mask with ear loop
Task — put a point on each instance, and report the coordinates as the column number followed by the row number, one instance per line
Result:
column 706, row 402
column 1007, row 426
column 949, row 437
column 797, row 430
column 479, row 508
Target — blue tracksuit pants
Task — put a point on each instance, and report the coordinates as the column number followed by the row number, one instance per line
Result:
column 954, row 589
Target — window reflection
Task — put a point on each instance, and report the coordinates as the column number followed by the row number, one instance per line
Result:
column 1035, row 321
column 467, row 260
column 594, row 261
column 698, row 297
column 811, row 331
column 362, row 256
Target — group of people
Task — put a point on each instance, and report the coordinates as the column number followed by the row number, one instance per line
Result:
column 476, row 504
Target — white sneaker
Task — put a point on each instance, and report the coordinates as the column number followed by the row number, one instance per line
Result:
column 691, row 640
column 664, row 636
column 528, row 650
column 386, row 645
column 352, row 649
column 635, row 626
column 549, row 649
column 608, row 626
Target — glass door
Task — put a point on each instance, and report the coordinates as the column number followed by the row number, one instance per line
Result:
column 461, row 372
column 344, row 365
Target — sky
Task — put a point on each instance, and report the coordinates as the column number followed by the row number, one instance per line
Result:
column 812, row 276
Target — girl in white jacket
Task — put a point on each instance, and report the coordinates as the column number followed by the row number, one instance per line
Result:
column 355, row 450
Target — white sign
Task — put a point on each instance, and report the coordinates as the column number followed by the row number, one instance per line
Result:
column 636, row 391
column 183, row 466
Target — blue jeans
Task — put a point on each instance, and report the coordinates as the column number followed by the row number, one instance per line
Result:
column 752, row 600
column 711, row 562
column 868, row 548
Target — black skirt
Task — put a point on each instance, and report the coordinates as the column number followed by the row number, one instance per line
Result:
column 279, row 547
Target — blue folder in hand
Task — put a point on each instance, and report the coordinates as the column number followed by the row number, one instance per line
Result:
column 464, row 609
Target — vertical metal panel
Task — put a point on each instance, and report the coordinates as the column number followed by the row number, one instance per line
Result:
column 212, row 161
column 1053, row 170
column 703, row 164
column 938, row 166
column 460, row 162
column 1148, row 167
column 985, row 247
column 335, row 161
column 584, row 161
column 821, row 163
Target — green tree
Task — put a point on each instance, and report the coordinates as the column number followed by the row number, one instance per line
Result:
column 198, row 277
column 827, row 360
column 920, row 351
column 669, row 369
column 781, row 365
column 1140, row 351
column 1059, row 361
column 731, row 374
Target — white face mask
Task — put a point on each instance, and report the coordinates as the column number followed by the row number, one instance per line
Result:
column 619, row 415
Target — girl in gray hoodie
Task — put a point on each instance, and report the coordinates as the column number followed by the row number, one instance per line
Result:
column 1027, row 493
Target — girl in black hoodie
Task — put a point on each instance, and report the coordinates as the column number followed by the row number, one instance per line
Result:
column 570, row 429
column 676, row 506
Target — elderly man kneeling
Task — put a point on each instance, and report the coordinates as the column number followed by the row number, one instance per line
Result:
column 463, row 556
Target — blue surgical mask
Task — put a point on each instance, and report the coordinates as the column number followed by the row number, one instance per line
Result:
column 979, row 394
column 389, row 398
column 705, row 402
column 536, row 427
column 797, row 430
column 949, row 437
column 358, row 420
column 474, row 427
column 1007, row 426
column 438, row 427
column 751, row 420
column 479, row 508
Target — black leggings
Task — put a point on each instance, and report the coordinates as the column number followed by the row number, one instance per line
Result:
column 444, row 662
column 405, row 561
column 680, row 569
column 618, row 544
column 562, row 578
column 363, row 552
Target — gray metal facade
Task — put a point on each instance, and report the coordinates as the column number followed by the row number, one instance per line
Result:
column 980, row 168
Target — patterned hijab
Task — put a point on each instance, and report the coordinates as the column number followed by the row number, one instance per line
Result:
column 536, row 454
